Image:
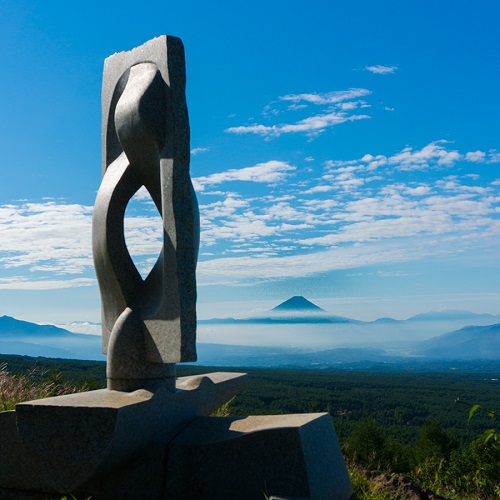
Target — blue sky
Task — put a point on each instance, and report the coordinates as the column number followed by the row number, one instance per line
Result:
column 344, row 151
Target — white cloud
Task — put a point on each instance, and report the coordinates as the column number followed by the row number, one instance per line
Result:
column 476, row 156
column 23, row 283
column 311, row 126
column 46, row 233
column 49, row 240
column 316, row 124
column 336, row 107
column 144, row 235
column 433, row 154
column 296, row 107
column 493, row 156
column 334, row 97
column 197, row 151
column 418, row 191
column 142, row 194
column 245, row 227
column 319, row 189
column 379, row 69
column 254, row 129
column 269, row 172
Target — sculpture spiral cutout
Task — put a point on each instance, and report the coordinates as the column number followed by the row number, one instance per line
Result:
column 147, row 325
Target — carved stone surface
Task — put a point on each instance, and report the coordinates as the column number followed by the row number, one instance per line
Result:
column 147, row 324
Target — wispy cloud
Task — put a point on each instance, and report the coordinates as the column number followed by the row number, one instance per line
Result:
column 334, row 97
column 337, row 108
column 46, row 234
column 381, row 203
column 285, row 222
column 379, row 69
column 269, row 172
column 433, row 154
column 254, row 269
column 311, row 126
column 197, row 151
column 49, row 240
column 23, row 283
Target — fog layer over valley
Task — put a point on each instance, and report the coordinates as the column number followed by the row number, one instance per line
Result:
column 296, row 333
column 398, row 337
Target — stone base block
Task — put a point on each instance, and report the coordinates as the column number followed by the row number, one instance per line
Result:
column 287, row 456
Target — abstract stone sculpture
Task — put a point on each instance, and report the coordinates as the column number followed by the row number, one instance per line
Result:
column 147, row 325
column 149, row 435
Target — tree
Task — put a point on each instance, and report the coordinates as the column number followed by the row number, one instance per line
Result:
column 366, row 444
column 433, row 442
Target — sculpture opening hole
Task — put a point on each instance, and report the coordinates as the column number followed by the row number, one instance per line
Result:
column 143, row 231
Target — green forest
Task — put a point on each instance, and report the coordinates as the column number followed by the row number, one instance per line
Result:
column 415, row 422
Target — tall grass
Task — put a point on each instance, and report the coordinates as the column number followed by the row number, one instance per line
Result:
column 34, row 384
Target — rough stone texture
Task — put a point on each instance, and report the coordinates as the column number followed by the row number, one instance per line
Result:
column 291, row 456
column 17, row 468
column 146, row 323
column 73, row 438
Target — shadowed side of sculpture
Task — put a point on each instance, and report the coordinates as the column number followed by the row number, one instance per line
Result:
column 148, row 325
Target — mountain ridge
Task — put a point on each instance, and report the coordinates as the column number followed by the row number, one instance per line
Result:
column 469, row 342
column 10, row 326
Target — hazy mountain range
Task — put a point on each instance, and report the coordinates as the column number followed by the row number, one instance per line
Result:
column 343, row 340
column 31, row 339
column 300, row 310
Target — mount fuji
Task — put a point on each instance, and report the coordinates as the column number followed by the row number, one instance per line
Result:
column 296, row 309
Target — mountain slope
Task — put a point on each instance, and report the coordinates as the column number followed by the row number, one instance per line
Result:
column 31, row 339
column 11, row 327
column 470, row 342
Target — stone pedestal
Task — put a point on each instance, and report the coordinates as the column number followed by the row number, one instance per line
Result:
column 288, row 456
column 115, row 445
column 62, row 444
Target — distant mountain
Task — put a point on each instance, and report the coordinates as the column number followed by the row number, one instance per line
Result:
column 31, row 339
column 456, row 315
column 297, row 303
column 295, row 310
column 385, row 320
column 470, row 342
column 11, row 327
